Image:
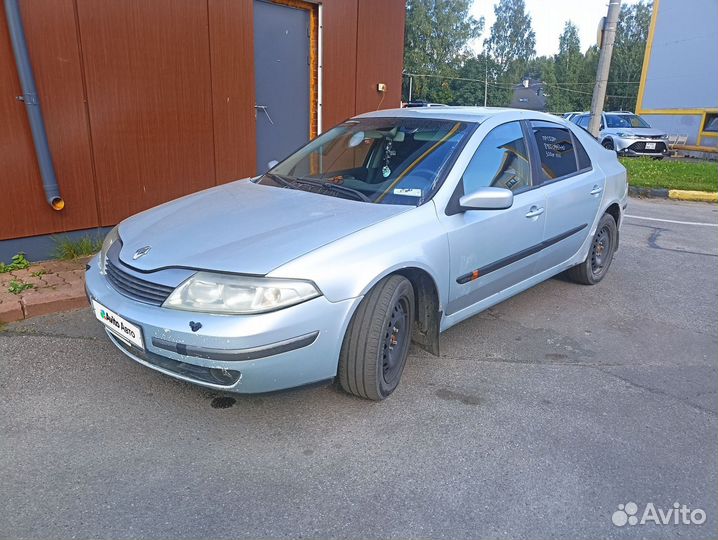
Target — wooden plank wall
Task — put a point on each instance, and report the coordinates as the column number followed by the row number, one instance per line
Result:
column 148, row 101
column 232, row 54
column 52, row 40
column 339, row 36
column 380, row 46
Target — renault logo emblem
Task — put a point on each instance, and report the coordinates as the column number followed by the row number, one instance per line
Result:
column 141, row 252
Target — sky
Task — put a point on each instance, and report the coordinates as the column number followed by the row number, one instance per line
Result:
column 548, row 18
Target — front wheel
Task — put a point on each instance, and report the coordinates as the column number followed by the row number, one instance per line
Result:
column 608, row 144
column 600, row 255
column 377, row 341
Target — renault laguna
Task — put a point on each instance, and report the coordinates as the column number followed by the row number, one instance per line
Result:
column 387, row 229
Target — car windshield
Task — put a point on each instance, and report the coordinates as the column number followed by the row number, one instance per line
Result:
column 625, row 121
column 376, row 160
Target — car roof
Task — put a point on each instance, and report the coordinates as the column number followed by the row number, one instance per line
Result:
column 461, row 114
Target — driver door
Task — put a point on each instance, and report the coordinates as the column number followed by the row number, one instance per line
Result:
column 491, row 250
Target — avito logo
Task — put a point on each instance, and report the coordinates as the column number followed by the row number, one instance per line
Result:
column 627, row 514
column 117, row 324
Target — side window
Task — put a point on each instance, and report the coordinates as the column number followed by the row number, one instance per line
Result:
column 584, row 162
column 583, row 121
column 501, row 160
column 555, row 149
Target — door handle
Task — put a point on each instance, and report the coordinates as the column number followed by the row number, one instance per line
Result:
column 596, row 190
column 534, row 212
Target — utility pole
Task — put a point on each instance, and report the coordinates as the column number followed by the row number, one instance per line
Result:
column 604, row 65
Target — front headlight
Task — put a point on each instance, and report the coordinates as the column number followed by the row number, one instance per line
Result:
column 112, row 237
column 238, row 295
column 625, row 135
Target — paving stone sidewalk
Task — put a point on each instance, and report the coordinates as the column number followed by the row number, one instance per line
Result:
column 56, row 286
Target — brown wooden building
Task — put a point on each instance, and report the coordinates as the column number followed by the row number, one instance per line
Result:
column 147, row 100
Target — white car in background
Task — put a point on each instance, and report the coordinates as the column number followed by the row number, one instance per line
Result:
column 627, row 134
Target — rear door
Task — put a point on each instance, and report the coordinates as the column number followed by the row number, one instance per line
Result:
column 573, row 190
column 491, row 250
column 281, row 71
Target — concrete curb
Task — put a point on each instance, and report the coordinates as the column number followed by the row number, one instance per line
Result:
column 675, row 194
column 685, row 195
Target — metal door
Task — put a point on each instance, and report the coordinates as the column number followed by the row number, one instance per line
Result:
column 281, row 72
column 572, row 201
column 492, row 250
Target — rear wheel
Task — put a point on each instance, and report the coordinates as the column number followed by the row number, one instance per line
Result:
column 600, row 255
column 377, row 341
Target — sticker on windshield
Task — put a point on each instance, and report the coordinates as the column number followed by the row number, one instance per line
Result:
column 408, row 192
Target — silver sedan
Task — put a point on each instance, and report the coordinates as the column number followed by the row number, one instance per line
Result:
column 389, row 228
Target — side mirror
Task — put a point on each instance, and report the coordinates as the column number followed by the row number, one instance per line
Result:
column 487, row 198
column 273, row 164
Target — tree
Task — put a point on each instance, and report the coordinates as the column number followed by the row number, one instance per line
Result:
column 511, row 45
column 436, row 42
column 567, row 93
column 471, row 92
column 512, row 39
column 628, row 51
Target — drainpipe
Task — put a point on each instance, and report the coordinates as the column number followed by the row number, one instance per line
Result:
column 32, row 105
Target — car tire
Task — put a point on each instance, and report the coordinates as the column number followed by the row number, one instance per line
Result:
column 600, row 254
column 608, row 144
column 376, row 344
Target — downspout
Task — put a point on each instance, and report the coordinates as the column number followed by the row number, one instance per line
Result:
column 32, row 105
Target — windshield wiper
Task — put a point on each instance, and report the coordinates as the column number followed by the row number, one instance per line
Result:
column 335, row 187
column 281, row 180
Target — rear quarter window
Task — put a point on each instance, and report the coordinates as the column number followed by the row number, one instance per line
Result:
column 584, row 162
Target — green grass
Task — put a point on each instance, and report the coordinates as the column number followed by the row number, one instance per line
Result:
column 672, row 174
column 67, row 249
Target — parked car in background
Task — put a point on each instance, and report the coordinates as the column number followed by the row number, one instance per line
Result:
column 389, row 228
column 569, row 115
column 628, row 134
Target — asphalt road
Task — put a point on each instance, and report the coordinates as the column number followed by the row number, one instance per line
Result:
column 541, row 417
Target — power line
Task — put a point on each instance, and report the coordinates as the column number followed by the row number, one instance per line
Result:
column 609, row 82
column 551, row 85
column 482, row 81
column 512, row 85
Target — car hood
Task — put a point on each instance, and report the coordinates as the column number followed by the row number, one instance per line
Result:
column 243, row 227
column 648, row 133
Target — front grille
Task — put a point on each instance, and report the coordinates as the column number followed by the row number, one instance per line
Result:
column 136, row 288
column 641, row 147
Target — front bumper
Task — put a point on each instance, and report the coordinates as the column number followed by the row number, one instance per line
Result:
column 243, row 353
column 637, row 147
